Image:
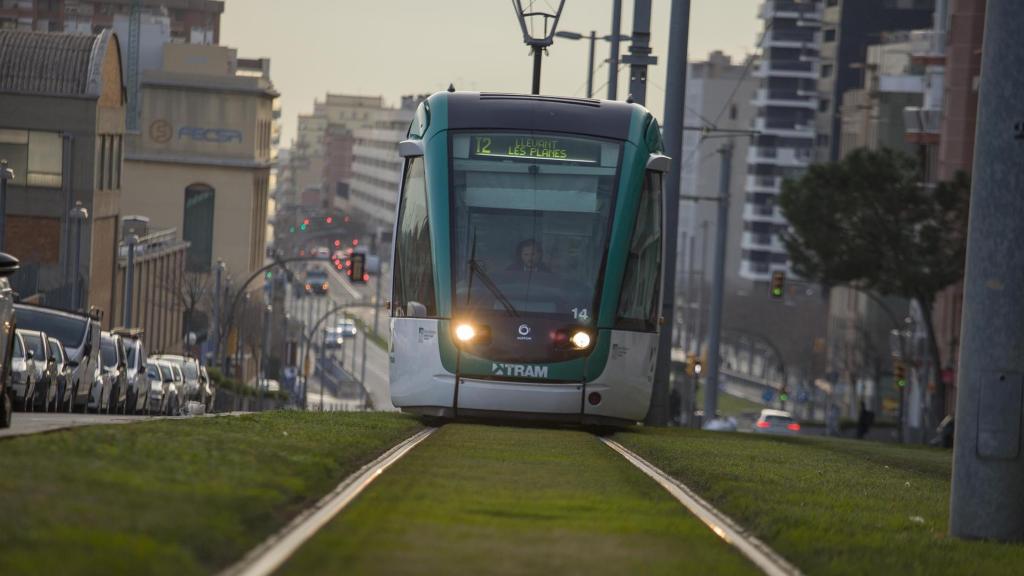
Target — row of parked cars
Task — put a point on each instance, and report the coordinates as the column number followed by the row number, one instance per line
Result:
column 57, row 360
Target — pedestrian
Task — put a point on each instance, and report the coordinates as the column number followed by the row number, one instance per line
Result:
column 864, row 421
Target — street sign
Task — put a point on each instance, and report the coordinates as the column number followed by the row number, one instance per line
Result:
column 802, row 396
column 768, row 395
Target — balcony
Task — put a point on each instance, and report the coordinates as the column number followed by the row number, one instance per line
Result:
column 923, row 125
column 787, row 69
column 793, row 131
column 786, row 157
column 928, row 47
column 764, row 184
column 797, row 9
column 762, row 213
column 789, row 98
column 783, row 39
column 757, row 241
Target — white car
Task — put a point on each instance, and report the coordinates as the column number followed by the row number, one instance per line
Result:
column 776, row 422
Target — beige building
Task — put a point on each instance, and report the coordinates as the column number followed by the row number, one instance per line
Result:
column 202, row 160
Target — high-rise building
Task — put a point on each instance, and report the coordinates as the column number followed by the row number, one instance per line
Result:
column 191, row 21
column 848, row 28
column 786, row 104
column 377, row 168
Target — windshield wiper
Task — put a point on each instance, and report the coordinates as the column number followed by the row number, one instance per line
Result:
column 475, row 269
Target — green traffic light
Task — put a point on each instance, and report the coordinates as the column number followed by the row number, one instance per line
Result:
column 902, row 382
column 303, row 227
column 291, row 230
column 777, row 292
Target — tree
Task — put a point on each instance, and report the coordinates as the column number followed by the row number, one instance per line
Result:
column 869, row 222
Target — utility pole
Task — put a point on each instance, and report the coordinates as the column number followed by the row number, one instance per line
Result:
column 132, row 240
column 590, row 66
column 376, row 301
column 362, row 369
column 640, row 48
column 5, row 175
column 218, row 279
column 718, row 285
column 613, row 60
column 675, row 100
column 987, row 499
column 79, row 214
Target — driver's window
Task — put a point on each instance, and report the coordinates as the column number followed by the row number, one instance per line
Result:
column 414, row 263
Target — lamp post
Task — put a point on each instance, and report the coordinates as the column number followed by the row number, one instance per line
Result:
column 217, row 295
column 5, row 175
column 79, row 214
column 132, row 240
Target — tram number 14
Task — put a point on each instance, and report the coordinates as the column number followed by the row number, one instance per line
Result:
column 581, row 314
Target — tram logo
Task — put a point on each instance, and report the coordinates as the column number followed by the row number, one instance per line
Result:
column 520, row 370
column 524, row 333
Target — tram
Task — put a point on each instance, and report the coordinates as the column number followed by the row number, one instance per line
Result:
column 527, row 259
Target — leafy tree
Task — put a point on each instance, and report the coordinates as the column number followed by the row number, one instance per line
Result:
column 869, row 222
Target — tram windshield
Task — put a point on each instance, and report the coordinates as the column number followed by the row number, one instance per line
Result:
column 530, row 222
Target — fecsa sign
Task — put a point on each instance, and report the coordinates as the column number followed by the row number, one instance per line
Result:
column 535, row 148
column 214, row 135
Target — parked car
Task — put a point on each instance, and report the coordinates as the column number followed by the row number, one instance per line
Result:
column 776, row 422
column 25, row 373
column 37, row 346
column 163, row 390
column 210, row 391
column 62, row 368
column 111, row 393
column 189, row 367
column 135, row 372
column 8, row 265
column 80, row 336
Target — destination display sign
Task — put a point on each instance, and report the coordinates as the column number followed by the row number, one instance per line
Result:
column 534, row 148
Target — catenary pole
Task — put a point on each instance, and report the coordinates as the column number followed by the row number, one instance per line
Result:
column 639, row 57
column 613, row 60
column 987, row 500
column 718, row 285
column 675, row 99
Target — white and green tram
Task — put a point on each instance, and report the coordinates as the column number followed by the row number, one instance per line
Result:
column 527, row 259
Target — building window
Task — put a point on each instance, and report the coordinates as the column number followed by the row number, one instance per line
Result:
column 824, row 104
column 826, row 70
column 197, row 228
column 830, row 35
column 638, row 304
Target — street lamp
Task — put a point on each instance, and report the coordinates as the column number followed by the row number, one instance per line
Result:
column 5, row 175
column 132, row 240
column 592, row 37
column 79, row 214
column 548, row 21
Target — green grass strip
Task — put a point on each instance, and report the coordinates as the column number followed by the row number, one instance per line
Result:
column 502, row 500
column 829, row 506
column 173, row 497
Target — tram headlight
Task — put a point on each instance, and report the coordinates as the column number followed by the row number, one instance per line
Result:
column 465, row 332
column 581, row 340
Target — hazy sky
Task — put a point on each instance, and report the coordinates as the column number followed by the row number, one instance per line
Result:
column 396, row 47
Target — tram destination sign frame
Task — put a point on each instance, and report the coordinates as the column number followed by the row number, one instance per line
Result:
column 534, row 147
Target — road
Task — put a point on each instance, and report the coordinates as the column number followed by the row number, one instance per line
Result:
column 32, row 423
column 339, row 390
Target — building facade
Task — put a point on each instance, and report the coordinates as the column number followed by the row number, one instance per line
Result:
column 62, row 131
column 193, row 21
column 786, row 104
column 201, row 164
column 848, row 28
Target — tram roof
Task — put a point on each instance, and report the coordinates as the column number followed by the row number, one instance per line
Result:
column 483, row 110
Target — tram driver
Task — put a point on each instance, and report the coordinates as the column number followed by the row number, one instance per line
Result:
column 529, row 258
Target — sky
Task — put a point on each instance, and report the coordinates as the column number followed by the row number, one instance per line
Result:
column 396, row 47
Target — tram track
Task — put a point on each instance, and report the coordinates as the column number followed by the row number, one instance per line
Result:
column 270, row 556
column 769, row 561
column 274, row 551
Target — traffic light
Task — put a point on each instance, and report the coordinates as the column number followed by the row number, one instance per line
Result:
column 778, row 284
column 693, row 365
column 357, row 271
column 783, row 394
column 899, row 374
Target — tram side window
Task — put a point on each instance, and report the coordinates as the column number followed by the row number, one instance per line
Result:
column 414, row 265
column 641, row 285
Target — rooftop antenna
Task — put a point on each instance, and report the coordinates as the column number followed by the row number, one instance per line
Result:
column 538, row 26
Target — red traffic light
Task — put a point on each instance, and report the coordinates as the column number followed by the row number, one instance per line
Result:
column 329, row 220
column 306, row 221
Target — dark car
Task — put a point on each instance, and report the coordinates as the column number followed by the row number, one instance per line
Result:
column 137, row 380
column 80, row 336
column 112, row 392
column 8, row 265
